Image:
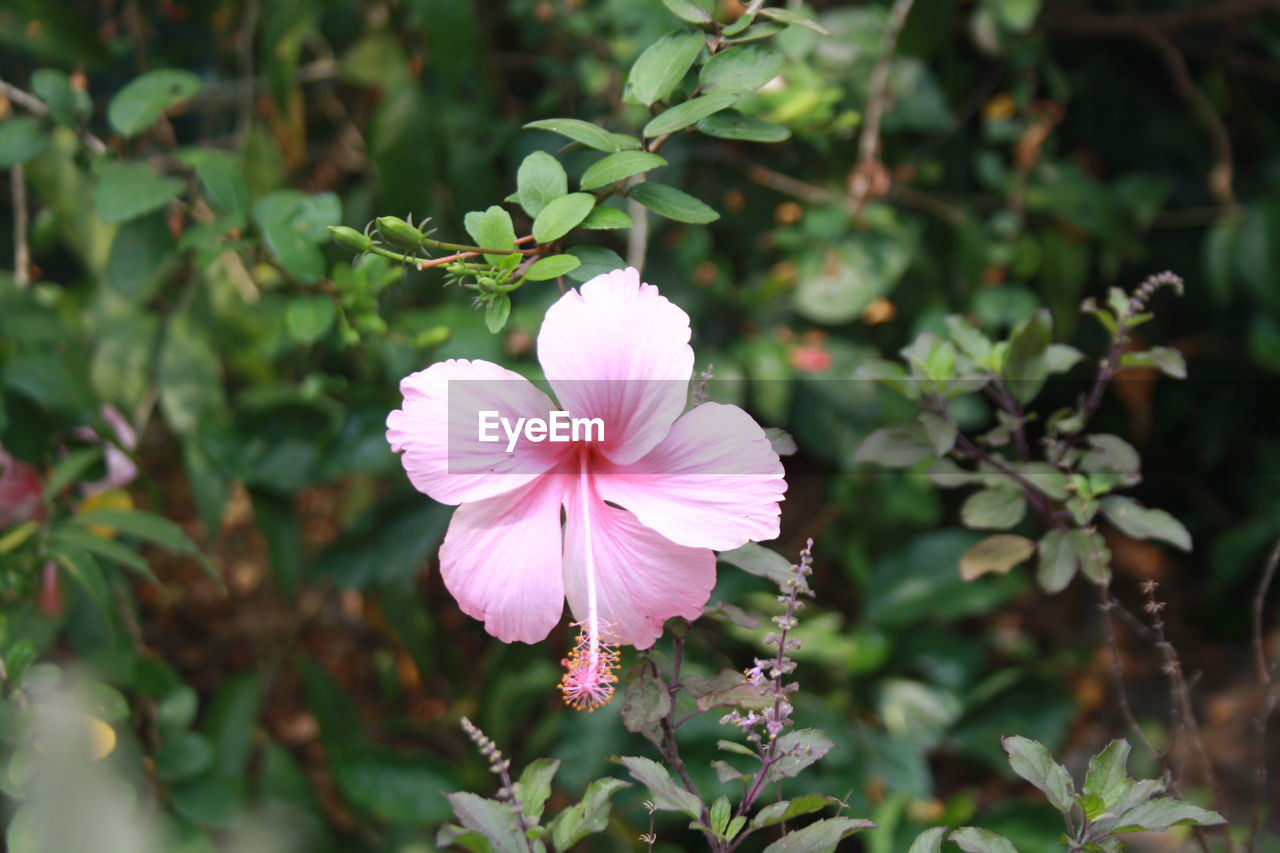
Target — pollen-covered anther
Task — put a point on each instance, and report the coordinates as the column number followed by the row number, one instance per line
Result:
column 590, row 669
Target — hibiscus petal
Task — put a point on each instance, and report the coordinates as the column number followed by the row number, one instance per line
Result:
column 713, row 482
column 438, row 430
column 502, row 561
column 618, row 350
column 641, row 578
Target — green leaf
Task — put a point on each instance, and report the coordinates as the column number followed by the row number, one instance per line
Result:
column 1027, row 366
column 665, row 792
column 103, row 701
column 1092, row 554
column 229, row 723
column 996, row 554
column 690, row 112
column 970, row 341
column 148, row 526
column 787, row 16
column 222, row 176
column 673, row 203
column 534, row 786
column 1163, row 812
column 1110, row 453
column 590, row 135
column 552, row 266
column 182, row 756
column 589, row 816
column 1107, row 777
column 189, row 375
column 207, row 801
column 25, row 833
column 13, row 538
column 540, row 180
column 139, row 104
column 898, row 446
column 693, row 11
column 294, row 226
column 1018, row 15
column 67, row 105
column 21, row 139
column 821, row 836
column 596, row 260
column 732, row 689
column 141, row 259
column 740, row 69
column 974, row 839
column 941, row 432
column 71, row 468
column 1059, row 358
column 798, row 749
column 645, row 703
column 755, row 32
column 787, row 809
column 1030, row 760
column 128, row 190
column 493, row 229
column 1047, row 479
column 309, row 317
column 1058, row 563
column 1134, row 520
column 452, row 835
column 107, row 549
column 602, row 217
column 760, row 561
column 497, row 312
column 619, row 167
column 400, row 788
column 728, row 124
column 993, row 509
column 561, row 216
column 720, row 811
column 929, row 841
column 663, row 65
column 1166, row 359
column 177, row 708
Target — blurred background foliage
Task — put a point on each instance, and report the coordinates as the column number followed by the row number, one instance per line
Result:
column 174, row 167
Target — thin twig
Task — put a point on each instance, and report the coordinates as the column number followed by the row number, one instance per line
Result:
column 1223, row 11
column 1266, row 672
column 669, row 747
column 1108, row 604
column 1220, row 176
column 869, row 178
column 21, row 248
column 1184, row 711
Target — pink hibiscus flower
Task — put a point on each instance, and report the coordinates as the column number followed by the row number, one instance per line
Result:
column 645, row 499
column 120, row 469
column 20, row 491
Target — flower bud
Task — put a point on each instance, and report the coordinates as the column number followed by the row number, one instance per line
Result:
column 399, row 233
column 350, row 239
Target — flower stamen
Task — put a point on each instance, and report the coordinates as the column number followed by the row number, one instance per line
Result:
column 591, row 667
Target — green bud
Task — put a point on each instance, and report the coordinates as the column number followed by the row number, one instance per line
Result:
column 432, row 337
column 399, row 233
column 350, row 239
column 487, row 284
